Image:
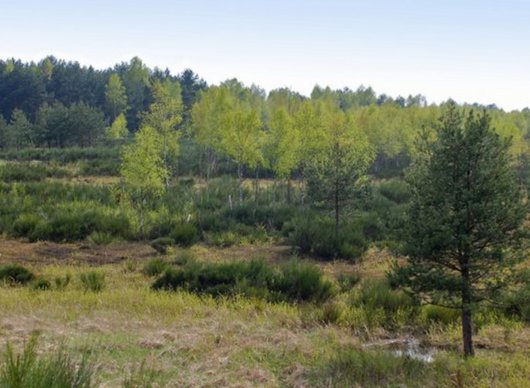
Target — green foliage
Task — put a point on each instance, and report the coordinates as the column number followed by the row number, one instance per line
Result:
column 92, row 281
column 61, row 282
column 115, row 97
column 348, row 280
column 315, row 235
column 15, row 274
column 185, row 234
column 367, row 368
column 293, row 281
column 25, row 172
column 440, row 314
column 516, row 302
column 42, row 284
column 465, row 217
column 118, row 129
column 155, row 267
column 29, row 370
column 100, row 238
column 384, row 306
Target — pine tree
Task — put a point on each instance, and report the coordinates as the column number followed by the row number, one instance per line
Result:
column 465, row 218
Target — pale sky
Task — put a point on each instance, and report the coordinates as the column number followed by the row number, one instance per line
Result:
column 468, row 50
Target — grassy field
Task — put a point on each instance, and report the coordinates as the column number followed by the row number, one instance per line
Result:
column 134, row 336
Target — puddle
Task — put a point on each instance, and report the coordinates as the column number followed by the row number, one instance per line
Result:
column 406, row 347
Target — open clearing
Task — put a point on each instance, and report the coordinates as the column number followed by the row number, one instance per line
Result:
column 180, row 339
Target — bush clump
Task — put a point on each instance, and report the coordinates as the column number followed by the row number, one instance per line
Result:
column 92, row 281
column 15, row 274
column 311, row 234
column 155, row 267
column 293, row 281
column 185, row 234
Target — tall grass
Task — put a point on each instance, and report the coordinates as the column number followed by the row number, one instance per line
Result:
column 29, row 370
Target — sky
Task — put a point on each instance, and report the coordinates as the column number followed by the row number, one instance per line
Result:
column 468, row 50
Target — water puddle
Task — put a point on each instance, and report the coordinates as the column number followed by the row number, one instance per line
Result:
column 406, row 347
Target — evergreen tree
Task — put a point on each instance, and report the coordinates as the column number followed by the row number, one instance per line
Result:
column 465, row 217
column 20, row 131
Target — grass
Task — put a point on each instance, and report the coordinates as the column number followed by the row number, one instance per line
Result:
column 132, row 333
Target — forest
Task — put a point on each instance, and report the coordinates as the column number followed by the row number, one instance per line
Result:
column 186, row 234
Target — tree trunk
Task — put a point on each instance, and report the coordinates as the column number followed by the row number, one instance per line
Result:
column 467, row 323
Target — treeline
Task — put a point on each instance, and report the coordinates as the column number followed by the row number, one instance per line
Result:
column 54, row 103
column 34, row 97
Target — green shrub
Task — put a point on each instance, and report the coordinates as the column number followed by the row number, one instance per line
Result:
column 25, row 225
column 396, row 190
column 384, row 306
column 348, row 280
column 15, row 274
column 185, row 234
column 377, row 293
column 155, row 267
column 162, row 244
column 42, row 284
column 26, row 172
column 316, row 235
column 440, row 314
column 223, row 239
column 61, row 282
column 516, row 302
column 92, row 281
column 29, row 370
column 302, row 281
column 293, row 281
column 100, row 238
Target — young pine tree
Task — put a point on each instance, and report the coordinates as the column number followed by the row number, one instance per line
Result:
column 465, row 219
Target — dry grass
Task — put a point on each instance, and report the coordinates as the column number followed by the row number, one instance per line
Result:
column 186, row 340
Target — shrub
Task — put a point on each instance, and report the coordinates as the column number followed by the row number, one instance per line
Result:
column 348, row 280
column 92, row 281
column 223, row 239
column 293, row 282
column 384, row 306
column 42, row 284
column 395, row 190
column 155, row 267
column 29, row 370
column 15, row 274
column 316, row 235
column 100, row 238
column 302, row 281
column 516, row 303
column 440, row 314
column 161, row 244
column 61, row 282
column 185, row 234
column 25, row 224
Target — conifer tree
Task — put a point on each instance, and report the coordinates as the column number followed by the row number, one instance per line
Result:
column 465, row 218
